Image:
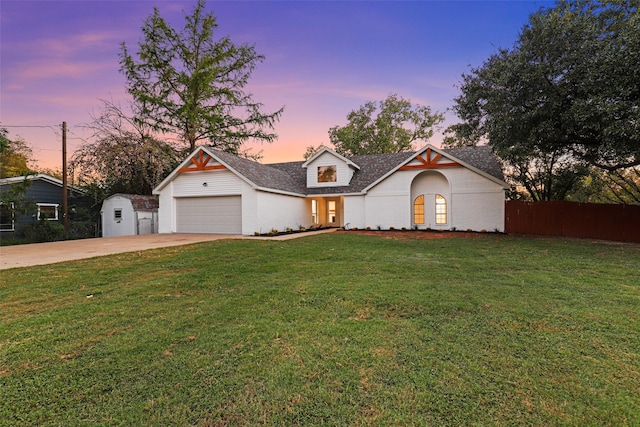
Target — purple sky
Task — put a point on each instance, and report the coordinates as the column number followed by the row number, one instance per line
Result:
column 323, row 59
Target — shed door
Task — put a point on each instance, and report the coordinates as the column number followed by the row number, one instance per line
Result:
column 215, row 215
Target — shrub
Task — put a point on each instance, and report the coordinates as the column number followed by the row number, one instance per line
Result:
column 44, row 231
column 81, row 230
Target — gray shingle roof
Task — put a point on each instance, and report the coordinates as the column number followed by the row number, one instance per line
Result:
column 479, row 157
column 292, row 177
column 261, row 175
column 141, row 203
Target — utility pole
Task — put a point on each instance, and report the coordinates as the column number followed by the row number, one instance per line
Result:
column 65, row 203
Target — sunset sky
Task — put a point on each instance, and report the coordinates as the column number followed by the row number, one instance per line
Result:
column 58, row 59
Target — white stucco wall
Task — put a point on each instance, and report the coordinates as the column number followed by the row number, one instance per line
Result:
column 473, row 201
column 354, row 211
column 479, row 211
column 477, row 204
column 278, row 211
column 218, row 183
column 124, row 227
column 166, row 210
column 387, row 204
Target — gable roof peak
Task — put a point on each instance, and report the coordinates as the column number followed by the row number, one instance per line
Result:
column 332, row 152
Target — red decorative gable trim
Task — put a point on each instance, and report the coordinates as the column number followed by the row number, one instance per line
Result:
column 200, row 161
column 429, row 162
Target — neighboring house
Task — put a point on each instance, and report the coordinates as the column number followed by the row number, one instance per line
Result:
column 129, row 214
column 43, row 198
column 216, row 192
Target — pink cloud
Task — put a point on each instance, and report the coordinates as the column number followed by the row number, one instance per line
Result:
column 51, row 69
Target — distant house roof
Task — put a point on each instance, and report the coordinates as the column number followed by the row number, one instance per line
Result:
column 40, row 177
column 291, row 177
column 139, row 202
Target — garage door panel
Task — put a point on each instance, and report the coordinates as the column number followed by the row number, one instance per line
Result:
column 216, row 215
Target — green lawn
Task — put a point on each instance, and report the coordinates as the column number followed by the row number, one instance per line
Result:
column 337, row 329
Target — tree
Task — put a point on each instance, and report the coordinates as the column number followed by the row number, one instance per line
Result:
column 545, row 176
column 122, row 156
column 189, row 84
column 311, row 150
column 389, row 126
column 15, row 156
column 567, row 90
column 601, row 186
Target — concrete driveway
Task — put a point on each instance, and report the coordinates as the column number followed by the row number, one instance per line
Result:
column 49, row 253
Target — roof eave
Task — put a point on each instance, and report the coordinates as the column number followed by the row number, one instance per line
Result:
column 329, row 150
column 44, row 177
column 504, row 185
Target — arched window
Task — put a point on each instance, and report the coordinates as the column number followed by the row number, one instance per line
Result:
column 418, row 210
column 441, row 210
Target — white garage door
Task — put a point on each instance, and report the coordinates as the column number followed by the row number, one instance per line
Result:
column 216, row 215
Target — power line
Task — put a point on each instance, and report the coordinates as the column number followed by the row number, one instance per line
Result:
column 54, row 127
column 28, row 126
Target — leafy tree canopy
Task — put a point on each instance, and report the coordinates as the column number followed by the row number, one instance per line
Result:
column 568, row 89
column 15, row 156
column 389, row 126
column 122, row 157
column 601, row 186
column 189, row 83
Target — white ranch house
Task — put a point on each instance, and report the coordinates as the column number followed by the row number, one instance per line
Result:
column 441, row 189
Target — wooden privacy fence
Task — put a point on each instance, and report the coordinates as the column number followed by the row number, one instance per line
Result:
column 571, row 219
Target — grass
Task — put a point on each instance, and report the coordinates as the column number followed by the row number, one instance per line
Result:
column 338, row 329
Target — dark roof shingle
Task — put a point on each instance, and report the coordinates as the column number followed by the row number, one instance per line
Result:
column 480, row 158
column 141, row 203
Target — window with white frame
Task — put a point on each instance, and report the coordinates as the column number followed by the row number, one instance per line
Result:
column 418, row 210
column 314, row 211
column 327, row 173
column 441, row 209
column 7, row 216
column 117, row 214
column 48, row 211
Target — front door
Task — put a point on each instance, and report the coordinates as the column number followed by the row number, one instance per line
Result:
column 333, row 212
